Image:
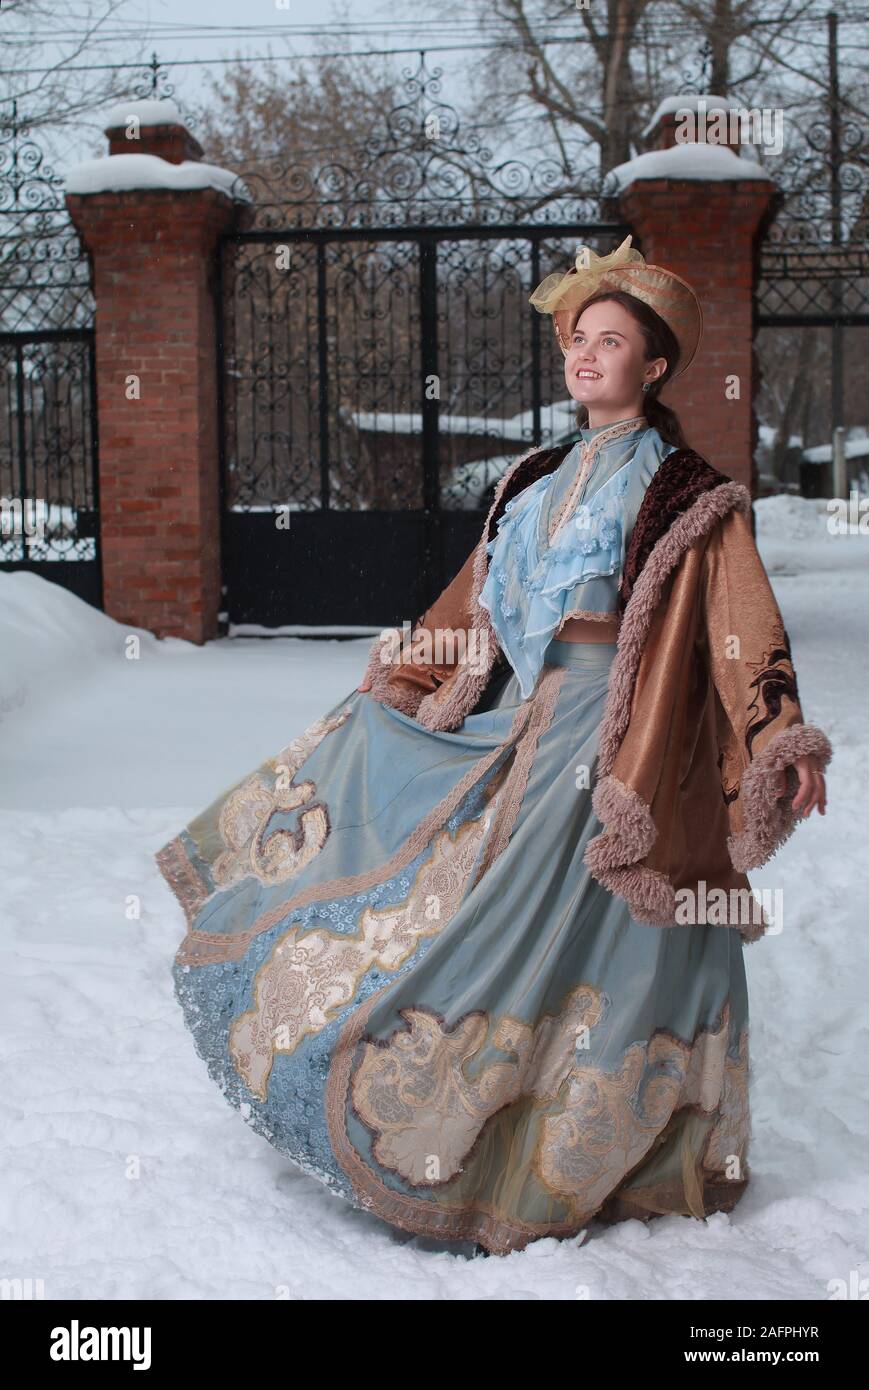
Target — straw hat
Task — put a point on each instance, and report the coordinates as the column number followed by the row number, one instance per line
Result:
column 663, row 290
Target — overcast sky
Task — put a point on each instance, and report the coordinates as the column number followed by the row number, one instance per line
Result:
column 189, row 31
column 219, row 28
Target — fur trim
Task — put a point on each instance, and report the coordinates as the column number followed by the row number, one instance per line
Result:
column 397, row 697
column 628, row 834
column 649, row 895
column 675, row 487
column 630, row 830
column 768, row 815
column 446, row 707
column 613, row 856
column 688, row 528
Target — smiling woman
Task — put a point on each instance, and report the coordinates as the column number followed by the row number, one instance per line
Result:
column 620, row 355
column 444, row 950
column 609, row 358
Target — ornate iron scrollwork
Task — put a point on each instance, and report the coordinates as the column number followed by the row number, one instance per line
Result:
column 420, row 169
column 44, row 275
column 47, row 428
column 814, row 262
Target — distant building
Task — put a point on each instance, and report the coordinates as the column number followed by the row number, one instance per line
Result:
column 809, row 472
column 475, row 451
column 816, row 469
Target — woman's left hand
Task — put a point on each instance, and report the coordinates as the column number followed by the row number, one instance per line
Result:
column 812, row 790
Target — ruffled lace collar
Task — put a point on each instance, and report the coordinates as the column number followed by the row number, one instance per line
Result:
column 560, row 545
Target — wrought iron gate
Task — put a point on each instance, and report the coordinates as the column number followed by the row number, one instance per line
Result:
column 48, row 458
column 380, row 363
column 376, row 383
column 48, row 430
column 813, row 282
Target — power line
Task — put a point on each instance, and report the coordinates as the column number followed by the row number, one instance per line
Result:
column 646, row 31
column 278, row 57
column 187, row 30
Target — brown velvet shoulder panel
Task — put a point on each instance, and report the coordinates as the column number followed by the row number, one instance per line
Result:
column 545, row 460
column 682, row 477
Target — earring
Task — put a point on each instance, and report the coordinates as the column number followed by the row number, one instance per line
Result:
column 647, row 385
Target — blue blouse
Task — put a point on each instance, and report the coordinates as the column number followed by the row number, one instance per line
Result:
column 561, row 543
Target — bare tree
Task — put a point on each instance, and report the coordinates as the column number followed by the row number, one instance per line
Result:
column 569, row 80
column 48, row 91
column 48, row 60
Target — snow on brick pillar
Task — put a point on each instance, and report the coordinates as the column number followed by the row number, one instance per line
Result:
column 700, row 209
column 151, row 226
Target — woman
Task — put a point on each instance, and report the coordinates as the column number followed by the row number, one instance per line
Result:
column 469, row 950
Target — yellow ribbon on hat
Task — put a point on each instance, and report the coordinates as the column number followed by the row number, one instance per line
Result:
column 576, row 285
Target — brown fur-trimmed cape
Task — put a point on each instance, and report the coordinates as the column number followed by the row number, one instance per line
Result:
column 689, row 786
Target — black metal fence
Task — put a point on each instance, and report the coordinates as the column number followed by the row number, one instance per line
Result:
column 376, row 384
column 48, row 477
column 48, row 428
column 812, row 298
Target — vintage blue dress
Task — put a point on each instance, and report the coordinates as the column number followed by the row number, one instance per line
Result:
column 399, row 969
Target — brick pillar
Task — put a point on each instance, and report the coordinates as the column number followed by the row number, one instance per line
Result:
column 707, row 230
column 154, row 255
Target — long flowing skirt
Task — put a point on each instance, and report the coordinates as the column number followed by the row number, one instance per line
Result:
column 399, row 969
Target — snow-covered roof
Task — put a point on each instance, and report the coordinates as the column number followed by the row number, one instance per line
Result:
column 122, row 171
column 469, row 482
column 690, row 101
column 857, row 447
column 145, row 112
column 693, row 160
column 767, row 435
column 519, row 427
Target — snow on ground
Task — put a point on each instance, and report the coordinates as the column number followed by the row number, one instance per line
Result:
column 125, row 1172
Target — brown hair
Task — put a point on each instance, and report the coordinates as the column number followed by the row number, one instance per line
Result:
column 660, row 341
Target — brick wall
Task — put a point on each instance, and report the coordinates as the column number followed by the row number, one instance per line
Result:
column 153, row 254
column 708, row 232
